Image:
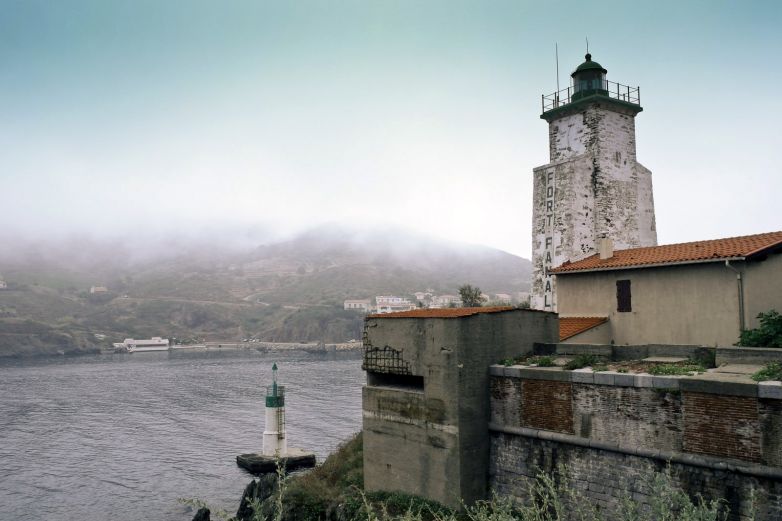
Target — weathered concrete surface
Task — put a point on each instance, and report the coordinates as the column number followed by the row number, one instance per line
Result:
column 593, row 185
column 726, row 415
column 605, row 476
column 426, row 403
column 748, row 355
column 258, row 464
column 720, row 432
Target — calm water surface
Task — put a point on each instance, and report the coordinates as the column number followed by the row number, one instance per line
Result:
column 121, row 437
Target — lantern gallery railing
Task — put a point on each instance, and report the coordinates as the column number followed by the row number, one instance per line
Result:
column 583, row 89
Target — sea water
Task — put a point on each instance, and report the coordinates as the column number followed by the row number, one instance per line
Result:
column 123, row 436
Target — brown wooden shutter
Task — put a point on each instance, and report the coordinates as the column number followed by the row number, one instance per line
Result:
column 623, row 296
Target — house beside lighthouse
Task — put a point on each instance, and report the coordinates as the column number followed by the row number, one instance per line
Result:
column 593, row 187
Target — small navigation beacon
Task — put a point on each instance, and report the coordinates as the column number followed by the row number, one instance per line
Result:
column 276, row 452
column 274, row 443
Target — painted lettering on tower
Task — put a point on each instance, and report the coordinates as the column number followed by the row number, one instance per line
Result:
column 593, row 185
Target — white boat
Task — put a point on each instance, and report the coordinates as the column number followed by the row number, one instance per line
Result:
column 130, row 345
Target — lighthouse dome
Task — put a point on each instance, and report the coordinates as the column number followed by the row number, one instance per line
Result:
column 589, row 79
column 589, row 65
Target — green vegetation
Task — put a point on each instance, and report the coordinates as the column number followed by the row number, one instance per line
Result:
column 768, row 334
column 686, row 369
column 333, row 492
column 329, row 487
column 471, row 296
column 540, row 361
column 581, row 361
column 772, row 371
column 543, row 361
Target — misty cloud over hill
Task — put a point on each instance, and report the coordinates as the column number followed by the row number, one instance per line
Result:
column 227, row 286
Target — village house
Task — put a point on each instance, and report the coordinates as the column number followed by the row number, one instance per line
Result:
column 444, row 301
column 502, row 298
column 98, row 289
column 701, row 293
column 422, row 296
column 364, row 305
column 392, row 304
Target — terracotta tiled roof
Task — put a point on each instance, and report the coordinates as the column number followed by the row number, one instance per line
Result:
column 443, row 313
column 571, row 326
column 684, row 253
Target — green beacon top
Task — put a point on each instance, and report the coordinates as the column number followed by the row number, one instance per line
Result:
column 275, row 394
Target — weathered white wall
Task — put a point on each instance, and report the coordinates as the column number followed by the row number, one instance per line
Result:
column 592, row 186
column 685, row 304
column 762, row 288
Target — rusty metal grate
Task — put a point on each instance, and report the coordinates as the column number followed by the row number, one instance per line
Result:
column 384, row 360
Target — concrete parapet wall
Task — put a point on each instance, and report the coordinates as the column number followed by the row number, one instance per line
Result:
column 627, row 352
column 694, row 421
column 732, row 419
column 748, row 355
column 720, row 355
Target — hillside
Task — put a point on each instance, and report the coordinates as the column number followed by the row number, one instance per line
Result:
column 282, row 291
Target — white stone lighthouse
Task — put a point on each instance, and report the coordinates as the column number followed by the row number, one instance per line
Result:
column 274, row 442
column 593, row 186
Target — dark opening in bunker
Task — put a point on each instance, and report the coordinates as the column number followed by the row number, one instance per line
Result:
column 401, row 381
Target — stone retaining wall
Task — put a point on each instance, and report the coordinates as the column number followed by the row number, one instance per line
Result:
column 603, row 425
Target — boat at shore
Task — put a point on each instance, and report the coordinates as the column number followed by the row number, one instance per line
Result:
column 130, row 345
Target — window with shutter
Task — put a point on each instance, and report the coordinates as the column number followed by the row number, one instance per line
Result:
column 623, row 296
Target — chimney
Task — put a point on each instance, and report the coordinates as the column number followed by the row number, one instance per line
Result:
column 606, row 248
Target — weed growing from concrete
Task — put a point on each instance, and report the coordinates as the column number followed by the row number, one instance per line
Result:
column 543, row 361
column 582, row 361
column 772, row 371
column 688, row 369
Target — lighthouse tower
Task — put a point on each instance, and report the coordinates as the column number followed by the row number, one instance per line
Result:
column 593, row 188
column 274, row 443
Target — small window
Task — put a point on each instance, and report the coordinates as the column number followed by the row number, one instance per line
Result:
column 399, row 381
column 623, row 296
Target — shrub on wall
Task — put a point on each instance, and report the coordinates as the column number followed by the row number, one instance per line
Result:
column 768, row 334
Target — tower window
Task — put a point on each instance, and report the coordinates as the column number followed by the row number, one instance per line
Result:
column 618, row 157
column 623, row 296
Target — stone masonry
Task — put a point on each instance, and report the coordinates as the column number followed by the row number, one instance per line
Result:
column 611, row 430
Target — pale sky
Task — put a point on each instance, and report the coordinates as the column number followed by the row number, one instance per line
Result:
column 128, row 116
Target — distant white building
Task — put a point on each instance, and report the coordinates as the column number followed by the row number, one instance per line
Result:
column 422, row 296
column 390, row 300
column 391, row 304
column 502, row 298
column 446, row 301
column 98, row 289
column 3, row 284
column 364, row 305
